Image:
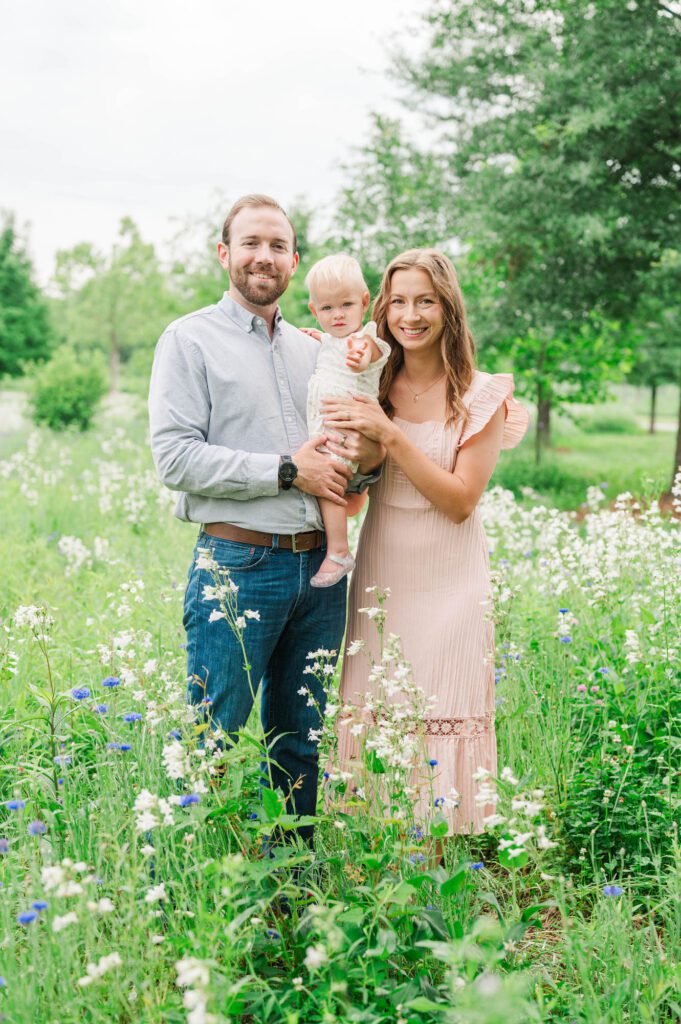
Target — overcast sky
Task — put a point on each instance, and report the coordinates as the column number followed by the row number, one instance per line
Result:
column 149, row 107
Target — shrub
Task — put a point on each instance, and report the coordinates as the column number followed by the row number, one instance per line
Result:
column 66, row 391
column 562, row 486
column 607, row 423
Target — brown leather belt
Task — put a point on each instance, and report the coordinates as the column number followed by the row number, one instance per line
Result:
column 290, row 541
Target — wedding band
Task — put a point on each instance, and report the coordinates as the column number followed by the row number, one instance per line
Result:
column 343, row 440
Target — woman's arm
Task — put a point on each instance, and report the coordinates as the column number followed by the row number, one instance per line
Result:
column 455, row 494
column 354, row 503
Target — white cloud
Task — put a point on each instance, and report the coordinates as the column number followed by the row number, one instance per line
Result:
column 149, row 108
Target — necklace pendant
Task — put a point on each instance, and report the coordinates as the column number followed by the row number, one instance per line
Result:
column 416, row 398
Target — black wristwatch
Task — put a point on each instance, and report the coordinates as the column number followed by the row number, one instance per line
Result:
column 288, row 471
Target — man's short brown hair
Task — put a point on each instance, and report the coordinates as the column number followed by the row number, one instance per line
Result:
column 255, row 200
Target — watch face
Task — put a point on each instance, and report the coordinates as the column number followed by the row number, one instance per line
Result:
column 287, row 471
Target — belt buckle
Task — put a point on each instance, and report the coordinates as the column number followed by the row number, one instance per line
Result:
column 294, row 547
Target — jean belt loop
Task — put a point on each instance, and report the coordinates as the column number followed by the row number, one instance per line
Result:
column 275, row 541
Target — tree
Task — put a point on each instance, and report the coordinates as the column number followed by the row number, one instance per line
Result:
column 25, row 330
column 658, row 330
column 117, row 302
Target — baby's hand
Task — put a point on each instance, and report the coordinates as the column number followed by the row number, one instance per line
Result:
column 311, row 332
column 359, row 352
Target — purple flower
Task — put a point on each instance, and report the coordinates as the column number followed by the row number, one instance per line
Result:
column 132, row 716
column 416, row 833
column 566, row 639
column 111, row 681
column 189, row 798
column 125, row 746
column 101, row 709
column 417, row 858
column 4, row 845
column 478, row 866
column 326, row 775
column 253, row 816
column 80, row 693
column 37, row 828
column 603, row 671
column 62, row 759
column 439, row 801
column 27, row 916
column 432, row 762
column 272, row 933
column 40, row 905
column 2, row 981
column 174, row 734
column 612, row 890
column 15, row 805
column 113, row 746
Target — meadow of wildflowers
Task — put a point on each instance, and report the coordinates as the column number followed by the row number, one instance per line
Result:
column 139, row 880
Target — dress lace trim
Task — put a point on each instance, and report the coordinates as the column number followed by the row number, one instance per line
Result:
column 459, row 726
column 467, row 727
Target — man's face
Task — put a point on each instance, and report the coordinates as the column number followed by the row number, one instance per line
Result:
column 260, row 258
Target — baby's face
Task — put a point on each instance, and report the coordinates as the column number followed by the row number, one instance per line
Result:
column 340, row 309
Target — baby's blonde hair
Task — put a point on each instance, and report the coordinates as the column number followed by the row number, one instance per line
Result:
column 339, row 269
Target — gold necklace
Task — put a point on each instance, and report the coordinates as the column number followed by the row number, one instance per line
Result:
column 417, row 394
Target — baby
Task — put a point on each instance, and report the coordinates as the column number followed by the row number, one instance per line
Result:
column 350, row 362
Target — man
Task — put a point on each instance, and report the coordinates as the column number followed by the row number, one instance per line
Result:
column 228, row 429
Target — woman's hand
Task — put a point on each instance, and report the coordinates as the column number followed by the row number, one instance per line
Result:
column 359, row 413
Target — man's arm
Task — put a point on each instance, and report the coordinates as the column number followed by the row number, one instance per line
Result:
column 179, row 415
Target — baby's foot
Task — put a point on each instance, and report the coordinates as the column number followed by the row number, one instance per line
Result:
column 332, row 570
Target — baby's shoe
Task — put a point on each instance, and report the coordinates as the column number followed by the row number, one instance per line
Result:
column 345, row 564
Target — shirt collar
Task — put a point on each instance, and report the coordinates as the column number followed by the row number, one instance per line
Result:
column 243, row 317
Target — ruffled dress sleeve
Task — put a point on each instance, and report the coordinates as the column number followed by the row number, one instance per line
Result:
column 487, row 393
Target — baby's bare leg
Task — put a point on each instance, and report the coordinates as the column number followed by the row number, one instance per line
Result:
column 335, row 521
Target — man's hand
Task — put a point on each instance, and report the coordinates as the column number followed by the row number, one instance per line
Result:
column 320, row 475
column 311, row 332
column 358, row 448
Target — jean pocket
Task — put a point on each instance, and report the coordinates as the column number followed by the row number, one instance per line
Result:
column 234, row 556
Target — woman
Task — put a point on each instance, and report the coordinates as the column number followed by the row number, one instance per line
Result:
column 443, row 425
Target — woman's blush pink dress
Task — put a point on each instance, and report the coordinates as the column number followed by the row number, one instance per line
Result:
column 440, row 603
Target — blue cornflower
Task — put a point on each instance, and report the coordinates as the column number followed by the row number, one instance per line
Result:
column 612, row 890
column 111, row 681
column 439, row 801
column 326, row 775
column 113, row 746
column 4, row 845
column 80, row 693
column 479, row 864
column 40, row 905
column 2, row 981
column 603, row 671
column 132, row 716
column 416, row 833
column 101, row 709
column 272, row 933
column 62, row 759
column 417, row 858
column 27, row 916
column 563, row 611
column 60, row 782
column 206, row 702
column 37, row 828
column 433, row 762
column 189, row 798
column 174, row 734
column 566, row 639
column 125, row 746
column 253, row 816
column 15, row 805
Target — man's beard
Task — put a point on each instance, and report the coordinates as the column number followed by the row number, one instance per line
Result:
column 258, row 294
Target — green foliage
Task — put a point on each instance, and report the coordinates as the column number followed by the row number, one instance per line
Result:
column 607, row 423
column 115, row 303
column 66, row 391
column 25, row 331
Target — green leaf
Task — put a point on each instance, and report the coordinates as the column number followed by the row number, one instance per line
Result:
column 272, row 802
column 455, row 883
column 423, row 1005
column 439, row 826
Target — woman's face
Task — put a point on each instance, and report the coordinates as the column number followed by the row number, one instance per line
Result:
column 415, row 316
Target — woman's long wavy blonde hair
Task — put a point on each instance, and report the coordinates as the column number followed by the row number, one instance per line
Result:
column 456, row 344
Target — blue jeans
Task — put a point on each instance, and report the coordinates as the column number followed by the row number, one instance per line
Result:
column 295, row 619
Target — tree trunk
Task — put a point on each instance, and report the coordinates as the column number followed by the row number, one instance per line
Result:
column 677, row 456
column 653, row 404
column 114, row 362
column 542, row 437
